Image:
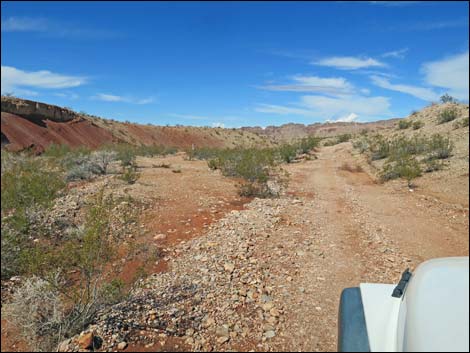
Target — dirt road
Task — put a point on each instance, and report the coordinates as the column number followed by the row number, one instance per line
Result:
column 360, row 231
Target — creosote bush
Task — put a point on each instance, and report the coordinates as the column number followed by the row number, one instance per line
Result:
column 447, row 115
column 53, row 304
column 404, row 124
column 407, row 157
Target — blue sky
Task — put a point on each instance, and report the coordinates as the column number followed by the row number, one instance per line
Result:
column 236, row 63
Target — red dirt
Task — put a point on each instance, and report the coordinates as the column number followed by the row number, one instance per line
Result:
column 23, row 133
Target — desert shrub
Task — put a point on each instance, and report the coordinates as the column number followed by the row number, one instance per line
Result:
column 447, row 115
column 331, row 142
column 126, row 154
column 56, row 150
column 432, row 165
column 29, row 185
column 256, row 167
column 362, row 145
column 461, row 123
column 404, row 124
column 53, row 304
column 203, row 153
column 407, row 168
column 287, row 152
column 308, row 143
column 29, row 181
column 379, row 147
column 446, row 98
column 417, row 125
column 130, row 175
column 402, row 147
column 439, row 147
column 37, row 309
column 84, row 167
column 344, row 138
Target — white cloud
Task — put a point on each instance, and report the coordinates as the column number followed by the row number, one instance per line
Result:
column 54, row 29
column 333, row 108
column 399, row 54
column 14, row 79
column 451, row 73
column 336, row 107
column 348, row 62
column 67, row 95
column 221, row 125
column 423, row 93
column 348, row 118
column 24, row 24
column 106, row 97
column 327, row 85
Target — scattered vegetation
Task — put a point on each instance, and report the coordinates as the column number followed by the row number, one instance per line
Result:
column 406, row 157
column 417, row 125
column 65, row 287
column 130, row 175
column 404, row 124
column 446, row 98
column 448, row 114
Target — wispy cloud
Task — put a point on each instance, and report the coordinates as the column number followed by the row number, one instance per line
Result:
column 349, row 62
column 399, row 54
column 106, row 97
column 328, row 85
column 14, row 80
column 342, row 108
column 451, row 73
column 423, row 93
column 54, row 29
column 430, row 26
column 24, row 24
column 67, row 95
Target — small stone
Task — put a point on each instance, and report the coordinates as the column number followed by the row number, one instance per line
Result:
column 159, row 237
column 122, row 345
column 229, row 267
column 269, row 334
column 86, row 340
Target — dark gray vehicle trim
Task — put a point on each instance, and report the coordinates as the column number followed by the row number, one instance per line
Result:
column 352, row 330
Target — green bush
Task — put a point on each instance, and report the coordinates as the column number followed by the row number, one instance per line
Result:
column 407, row 168
column 308, row 143
column 417, row 125
column 130, row 175
column 440, row 147
column 404, row 124
column 446, row 98
column 447, row 115
column 344, row 138
column 287, row 152
column 56, row 151
column 73, row 270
